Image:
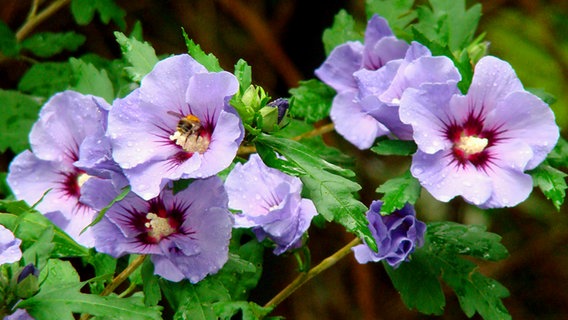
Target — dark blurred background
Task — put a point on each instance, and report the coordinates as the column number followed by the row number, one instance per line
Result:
column 281, row 40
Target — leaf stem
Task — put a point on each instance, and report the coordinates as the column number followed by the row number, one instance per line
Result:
column 34, row 20
column 305, row 277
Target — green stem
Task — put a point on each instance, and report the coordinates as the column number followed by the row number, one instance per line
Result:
column 34, row 20
column 305, row 277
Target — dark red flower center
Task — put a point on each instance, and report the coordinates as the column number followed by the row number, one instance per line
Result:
column 159, row 222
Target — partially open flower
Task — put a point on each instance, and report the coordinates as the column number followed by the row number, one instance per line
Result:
column 177, row 125
column 397, row 235
column 270, row 202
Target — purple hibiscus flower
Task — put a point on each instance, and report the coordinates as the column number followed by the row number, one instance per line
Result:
column 479, row 145
column 397, row 235
column 186, row 234
column 19, row 314
column 380, row 90
column 70, row 163
column 270, row 202
column 380, row 47
column 177, row 125
column 10, row 251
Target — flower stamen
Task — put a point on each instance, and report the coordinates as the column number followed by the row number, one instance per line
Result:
column 190, row 135
column 158, row 227
column 471, row 144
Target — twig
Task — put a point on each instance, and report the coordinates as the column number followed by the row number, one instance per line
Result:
column 260, row 31
column 34, row 20
column 305, row 277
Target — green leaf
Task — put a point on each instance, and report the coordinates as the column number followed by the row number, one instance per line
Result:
column 558, row 157
column 552, row 182
column 326, row 184
column 243, row 73
column 8, row 43
column 84, row 10
column 40, row 250
column 139, row 54
column 91, row 81
column 29, row 224
column 104, row 266
column 47, row 44
column 195, row 301
column 398, row 13
column 472, row 240
column 311, row 100
column 342, row 30
column 59, row 297
column 46, row 79
column 449, row 23
column 418, row 284
column 209, row 61
column 440, row 258
column 395, row 147
column 250, row 310
column 151, row 286
column 398, row 192
column 19, row 112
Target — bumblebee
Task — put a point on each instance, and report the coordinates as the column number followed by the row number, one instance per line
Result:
column 188, row 133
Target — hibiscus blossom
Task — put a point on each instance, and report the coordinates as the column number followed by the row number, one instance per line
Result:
column 352, row 119
column 270, row 202
column 479, row 145
column 70, row 163
column 186, row 234
column 9, row 246
column 177, row 125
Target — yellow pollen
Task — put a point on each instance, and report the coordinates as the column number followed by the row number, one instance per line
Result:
column 472, row 144
column 159, row 227
column 82, row 178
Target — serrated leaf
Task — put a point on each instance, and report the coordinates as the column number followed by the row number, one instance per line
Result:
column 398, row 13
column 194, row 301
column 59, row 297
column 84, row 10
column 558, row 157
column 342, row 30
column 471, row 240
column 47, row 44
column 90, row 80
column 139, row 54
column 8, row 43
column 243, row 73
column 395, row 147
column 19, row 112
column 418, row 284
column 326, row 184
column 449, row 23
column 311, row 100
column 209, row 61
column 151, row 287
column 104, row 266
column 552, row 182
column 399, row 191
column 46, row 79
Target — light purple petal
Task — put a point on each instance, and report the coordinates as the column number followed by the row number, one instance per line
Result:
column 166, row 268
column 524, row 116
column 74, row 226
column 493, row 80
column 19, row 314
column 64, row 121
column 445, row 180
column 375, row 82
column 337, row 70
column 166, row 85
column 377, row 55
column 10, row 251
column 353, row 123
column 217, row 87
column 510, row 187
column 377, row 28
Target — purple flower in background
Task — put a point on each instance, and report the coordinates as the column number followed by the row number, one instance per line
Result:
column 479, row 145
column 71, row 158
column 186, row 234
column 380, row 90
column 10, row 251
column 353, row 120
column 270, row 202
column 397, row 235
column 177, row 125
